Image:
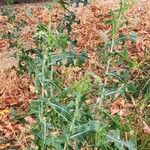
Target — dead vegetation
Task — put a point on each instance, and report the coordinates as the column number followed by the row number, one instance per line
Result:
column 16, row 90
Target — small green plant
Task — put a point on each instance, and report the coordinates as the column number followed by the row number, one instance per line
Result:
column 63, row 118
column 55, row 121
column 120, row 82
column 9, row 2
column 113, row 57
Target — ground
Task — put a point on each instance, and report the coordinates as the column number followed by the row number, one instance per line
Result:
column 15, row 90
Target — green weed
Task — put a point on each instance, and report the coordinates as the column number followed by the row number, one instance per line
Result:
column 63, row 119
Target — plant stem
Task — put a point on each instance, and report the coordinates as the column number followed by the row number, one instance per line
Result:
column 115, row 28
column 75, row 113
column 65, row 146
column 74, row 117
column 42, row 119
column 110, row 58
column 43, row 95
column 51, row 80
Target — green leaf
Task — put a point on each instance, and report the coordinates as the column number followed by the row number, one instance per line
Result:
column 113, row 92
column 81, row 58
column 61, row 58
column 81, row 130
column 28, row 11
column 65, row 92
column 9, row 2
column 131, row 88
column 62, row 41
column 58, row 58
column 32, row 66
column 54, row 142
column 59, row 109
column 111, row 22
column 133, row 64
column 117, row 76
column 57, row 106
column 121, row 39
column 123, row 56
column 133, row 37
column 83, row 86
column 70, row 60
column 120, row 144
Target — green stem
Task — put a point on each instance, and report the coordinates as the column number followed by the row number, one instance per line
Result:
column 51, row 80
column 75, row 113
column 115, row 25
column 42, row 101
column 74, row 117
column 65, row 146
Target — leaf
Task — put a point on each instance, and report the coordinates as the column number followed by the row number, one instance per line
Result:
column 85, row 128
column 59, row 109
column 117, row 76
column 123, row 56
column 9, row 2
column 113, row 92
column 59, row 58
column 4, row 146
column 133, row 37
column 58, row 106
column 62, row 41
column 34, row 107
column 83, row 86
column 81, row 58
column 121, row 39
column 111, row 22
column 54, row 142
column 133, row 64
column 28, row 11
column 4, row 112
column 120, row 143
column 32, row 66
column 131, row 88
column 65, row 92
column 70, row 60
column 13, row 112
column 117, row 105
column 115, row 120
